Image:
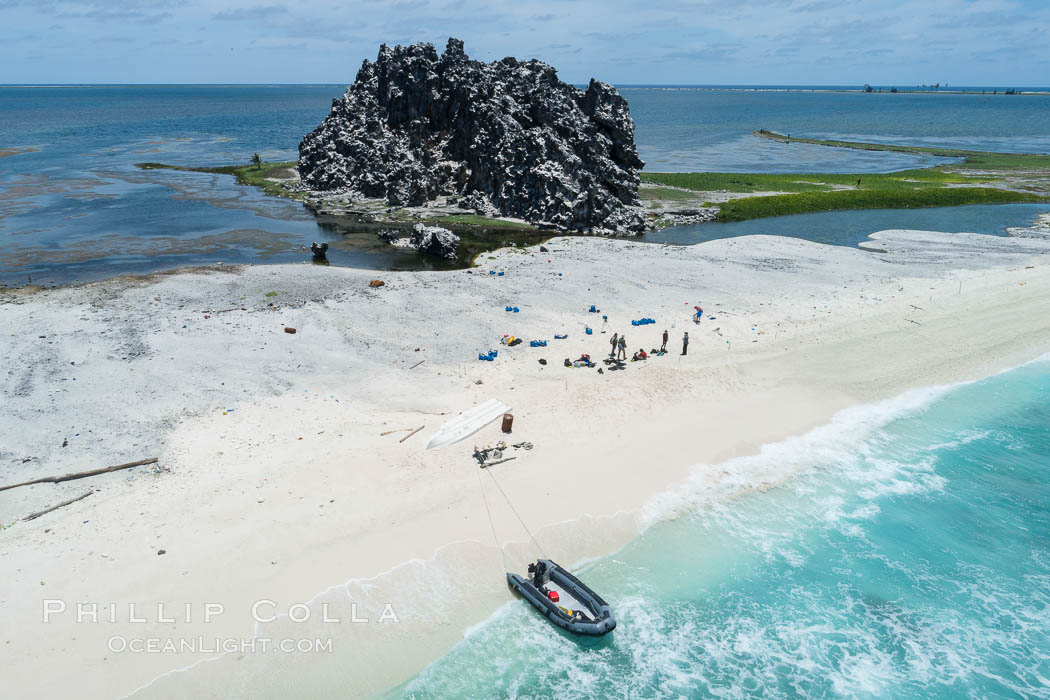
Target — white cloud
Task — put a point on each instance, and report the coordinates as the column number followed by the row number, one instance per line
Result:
column 673, row 41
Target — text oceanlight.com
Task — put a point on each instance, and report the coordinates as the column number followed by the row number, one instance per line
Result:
column 218, row 645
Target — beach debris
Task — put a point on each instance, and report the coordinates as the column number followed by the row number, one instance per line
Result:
column 522, row 446
column 537, row 343
column 490, row 453
column 417, row 364
column 488, row 357
column 395, row 430
column 224, row 311
column 289, row 330
column 376, row 283
column 34, row 516
column 81, row 475
column 643, row 322
column 412, row 433
column 508, row 422
column 319, row 250
column 161, row 552
column 542, row 361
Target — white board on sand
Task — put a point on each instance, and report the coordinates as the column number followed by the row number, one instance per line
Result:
column 468, row 423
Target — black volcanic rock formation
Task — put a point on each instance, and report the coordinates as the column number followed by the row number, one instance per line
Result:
column 508, row 136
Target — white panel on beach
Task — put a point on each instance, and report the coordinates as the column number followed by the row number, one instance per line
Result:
column 467, row 423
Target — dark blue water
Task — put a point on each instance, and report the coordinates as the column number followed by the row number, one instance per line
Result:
column 905, row 554
column 73, row 207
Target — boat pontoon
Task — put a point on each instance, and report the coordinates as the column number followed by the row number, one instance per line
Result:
column 564, row 599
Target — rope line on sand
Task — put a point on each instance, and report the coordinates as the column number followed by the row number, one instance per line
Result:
column 492, row 524
column 531, row 537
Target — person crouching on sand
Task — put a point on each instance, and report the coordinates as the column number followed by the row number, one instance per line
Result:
column 663, row 348
column 685, row 343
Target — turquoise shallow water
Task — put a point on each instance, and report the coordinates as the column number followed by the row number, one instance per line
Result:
column 901, row 551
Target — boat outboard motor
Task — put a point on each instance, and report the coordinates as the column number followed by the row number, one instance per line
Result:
column 538, row 578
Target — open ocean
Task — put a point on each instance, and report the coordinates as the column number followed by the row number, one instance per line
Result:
column 901, row 551
column 73, row 207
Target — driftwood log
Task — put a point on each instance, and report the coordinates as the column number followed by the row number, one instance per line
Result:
column 81, row 475
column 33, row 516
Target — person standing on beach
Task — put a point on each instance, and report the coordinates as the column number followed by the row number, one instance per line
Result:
column 613, row 343
column 622, row 352
column 663, row 347
column 685, row 343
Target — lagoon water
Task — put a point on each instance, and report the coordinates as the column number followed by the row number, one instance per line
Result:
column 901, row 551
column 851, row 227
column 73, row 207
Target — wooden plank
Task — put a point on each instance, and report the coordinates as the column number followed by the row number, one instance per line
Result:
column 33, row 516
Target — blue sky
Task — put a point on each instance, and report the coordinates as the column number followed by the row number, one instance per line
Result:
column 849, row 42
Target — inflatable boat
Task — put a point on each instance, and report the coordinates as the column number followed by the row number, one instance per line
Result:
column 564, row 600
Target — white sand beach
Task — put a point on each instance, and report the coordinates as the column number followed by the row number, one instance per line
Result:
column 275, row 481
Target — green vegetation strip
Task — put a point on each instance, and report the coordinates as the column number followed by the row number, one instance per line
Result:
column 785, row 204
column 256, row 175
column 1018, row 177
column 479, row 220
column 763, row 182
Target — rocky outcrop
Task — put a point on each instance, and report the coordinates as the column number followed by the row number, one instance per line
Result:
column 428, row 240
column 436, row 241
column 509, row 136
